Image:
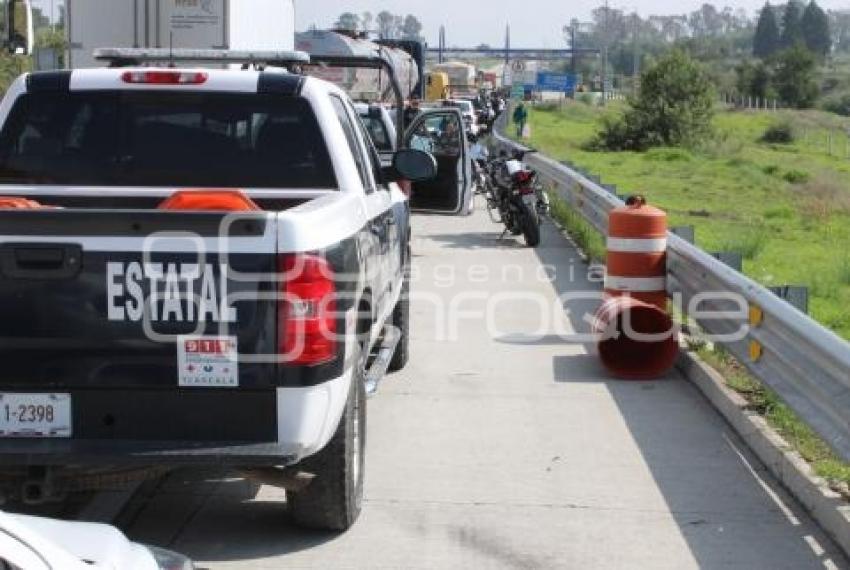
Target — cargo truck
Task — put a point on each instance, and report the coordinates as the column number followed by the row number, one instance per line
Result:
column 198, row 24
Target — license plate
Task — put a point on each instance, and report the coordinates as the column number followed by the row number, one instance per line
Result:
column 35, row 415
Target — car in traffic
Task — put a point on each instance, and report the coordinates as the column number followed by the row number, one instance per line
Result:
column 470, row 117
column 37, row 543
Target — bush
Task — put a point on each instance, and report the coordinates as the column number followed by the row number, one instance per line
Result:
column 780, row 133
column 796, row 177
column 674, row 108
column 840, row 105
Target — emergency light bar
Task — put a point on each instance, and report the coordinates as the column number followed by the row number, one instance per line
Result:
column 122, row 57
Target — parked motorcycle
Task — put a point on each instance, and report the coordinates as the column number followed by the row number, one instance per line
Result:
column 515, row 197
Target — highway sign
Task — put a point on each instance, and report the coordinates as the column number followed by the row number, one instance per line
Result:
column 518, row 66
column 556, row 82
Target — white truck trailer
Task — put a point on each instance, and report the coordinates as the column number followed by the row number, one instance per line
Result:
column 198, row 24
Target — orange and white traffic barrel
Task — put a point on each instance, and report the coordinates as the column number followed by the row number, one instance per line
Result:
column 638, row 338
column 637, row 253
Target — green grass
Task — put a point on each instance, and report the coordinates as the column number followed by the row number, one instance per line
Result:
column 784, row 207
column 585, row 236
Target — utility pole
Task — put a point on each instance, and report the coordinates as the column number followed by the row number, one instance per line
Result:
column 442, row 46
column 573, row 55
column 605, row 56
column 507, row 44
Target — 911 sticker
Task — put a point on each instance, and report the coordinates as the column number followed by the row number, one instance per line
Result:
column 208, row 362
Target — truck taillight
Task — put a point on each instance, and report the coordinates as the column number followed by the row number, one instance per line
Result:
column 165, row 77
column 307, row 323
column 210, row 201
column 17, row 203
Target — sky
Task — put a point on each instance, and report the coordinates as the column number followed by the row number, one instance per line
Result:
column 534, row 23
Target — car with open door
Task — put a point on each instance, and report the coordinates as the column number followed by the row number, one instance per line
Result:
column 441, row 132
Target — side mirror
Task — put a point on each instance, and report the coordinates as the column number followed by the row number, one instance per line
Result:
column 414, row 165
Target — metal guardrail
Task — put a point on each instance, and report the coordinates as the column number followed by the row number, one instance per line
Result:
column 807, row 365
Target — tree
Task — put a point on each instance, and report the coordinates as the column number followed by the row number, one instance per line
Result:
column 755, row 80
column 814, row 27
column 411, row 29
column 366, row 21
column 766, row 40
column 795, row 77
column 706, row 22
column 386, row 25
column 792, row 32
column 675, row 107
column 348, row 21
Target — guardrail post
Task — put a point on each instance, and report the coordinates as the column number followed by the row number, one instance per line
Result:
column 687, row 233
column 730, row 258
column 796, row 296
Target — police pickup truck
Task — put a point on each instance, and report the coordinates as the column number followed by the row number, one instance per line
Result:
column 198, row 265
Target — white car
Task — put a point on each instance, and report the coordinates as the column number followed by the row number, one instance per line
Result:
column 470, row 118
column 35, row 543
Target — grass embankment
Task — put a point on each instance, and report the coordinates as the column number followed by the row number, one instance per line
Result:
column 784, row 208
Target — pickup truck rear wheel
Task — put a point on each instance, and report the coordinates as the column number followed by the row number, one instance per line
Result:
column 333, row 500
column 401, row 320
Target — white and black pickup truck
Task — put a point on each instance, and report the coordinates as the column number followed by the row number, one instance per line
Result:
column 197, row 266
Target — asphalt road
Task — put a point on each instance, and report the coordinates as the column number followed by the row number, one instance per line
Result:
column 494, row 450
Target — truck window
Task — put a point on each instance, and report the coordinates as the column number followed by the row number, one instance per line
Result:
column 351, row 137
column 122, row 138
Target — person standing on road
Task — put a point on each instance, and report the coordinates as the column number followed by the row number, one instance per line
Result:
column 520, row 118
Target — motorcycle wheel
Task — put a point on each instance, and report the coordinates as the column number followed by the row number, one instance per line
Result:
column 530, row 223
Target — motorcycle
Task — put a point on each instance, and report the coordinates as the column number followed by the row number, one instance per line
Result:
column 516, row 198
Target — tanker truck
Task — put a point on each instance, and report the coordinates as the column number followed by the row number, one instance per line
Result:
column 406, row 58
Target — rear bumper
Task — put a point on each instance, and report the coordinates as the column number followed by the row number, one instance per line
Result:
column 75, row 453
column 223, row 428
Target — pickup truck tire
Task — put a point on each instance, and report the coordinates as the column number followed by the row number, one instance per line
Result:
column 333, row 500
column 401, row 320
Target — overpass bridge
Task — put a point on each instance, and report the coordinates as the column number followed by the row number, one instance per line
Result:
column 507, row 53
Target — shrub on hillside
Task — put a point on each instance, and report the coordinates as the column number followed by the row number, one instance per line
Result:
column 840, row 105
column 780, row 133
column 674, row 108
column 796, row 177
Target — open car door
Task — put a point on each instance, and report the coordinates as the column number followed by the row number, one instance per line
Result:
column 441, row 132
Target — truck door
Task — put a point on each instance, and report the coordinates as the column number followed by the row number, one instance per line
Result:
column 441, row 132
column 376, row 238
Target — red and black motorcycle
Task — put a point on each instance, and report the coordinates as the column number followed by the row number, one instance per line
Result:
column 515, row 197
